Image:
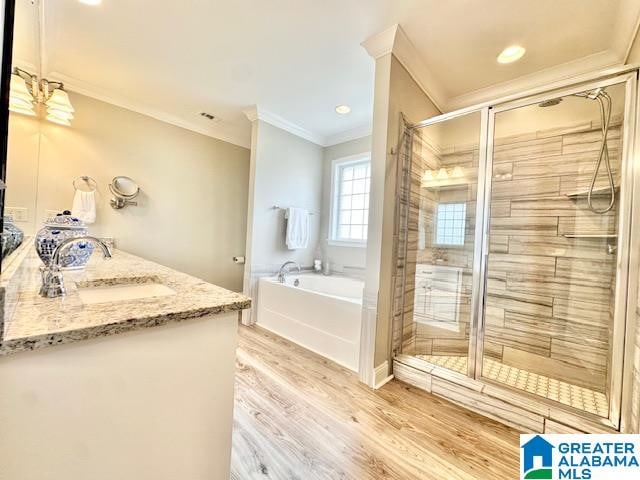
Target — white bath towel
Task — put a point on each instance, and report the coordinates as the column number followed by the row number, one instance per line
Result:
column 297, row 228
column 84, row 206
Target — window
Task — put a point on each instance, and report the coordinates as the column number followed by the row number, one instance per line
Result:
column 450, row 223
column 350, row 201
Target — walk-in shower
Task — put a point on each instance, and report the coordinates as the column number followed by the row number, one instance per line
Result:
column 514, row 245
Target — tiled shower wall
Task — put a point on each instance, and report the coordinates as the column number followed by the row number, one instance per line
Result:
column 549, row 296
column 433, row 333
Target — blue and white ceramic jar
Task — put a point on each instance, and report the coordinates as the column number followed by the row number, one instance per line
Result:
column 55, row 231
column 12, row 236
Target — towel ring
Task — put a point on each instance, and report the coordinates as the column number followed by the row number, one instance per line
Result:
column 91, row 183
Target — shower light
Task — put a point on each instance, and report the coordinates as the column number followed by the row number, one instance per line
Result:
column 511, row 54
column 343, row 109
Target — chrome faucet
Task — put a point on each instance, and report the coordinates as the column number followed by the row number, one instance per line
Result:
column 283, row 270
column 52, row 279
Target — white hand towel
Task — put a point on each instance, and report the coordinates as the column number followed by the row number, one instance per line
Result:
column 297, row 228
column 84, row 206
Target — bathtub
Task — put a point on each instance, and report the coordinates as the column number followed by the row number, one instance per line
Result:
column 322, row 314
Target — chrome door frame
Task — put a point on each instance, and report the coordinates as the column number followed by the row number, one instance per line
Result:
column 476, row 294
column 623, row 268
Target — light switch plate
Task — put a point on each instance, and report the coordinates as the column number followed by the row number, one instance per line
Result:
column 19, row 214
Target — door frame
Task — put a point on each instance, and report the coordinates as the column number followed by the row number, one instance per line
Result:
column 624, row 270
column 628, row 265
column 7, row 14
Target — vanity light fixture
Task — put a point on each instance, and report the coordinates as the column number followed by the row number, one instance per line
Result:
column 444, row 177
column 343, row 109
column 511, row 54
column 93, row 3
column 27, row 91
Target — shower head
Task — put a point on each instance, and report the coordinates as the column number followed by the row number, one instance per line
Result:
column 592, row 94
column 550, row 103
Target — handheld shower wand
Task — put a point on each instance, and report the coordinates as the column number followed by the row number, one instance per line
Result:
column 604, row 101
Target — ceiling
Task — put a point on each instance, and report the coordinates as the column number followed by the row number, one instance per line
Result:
column 298, row 59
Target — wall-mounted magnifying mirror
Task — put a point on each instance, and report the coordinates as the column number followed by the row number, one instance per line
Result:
column 124, row 190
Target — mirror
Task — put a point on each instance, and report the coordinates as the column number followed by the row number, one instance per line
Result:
column 103, row 128
column 124, row 190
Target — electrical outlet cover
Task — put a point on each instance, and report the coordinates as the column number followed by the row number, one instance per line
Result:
column 19, row 214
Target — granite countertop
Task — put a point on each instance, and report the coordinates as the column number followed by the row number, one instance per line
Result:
column 30, row 321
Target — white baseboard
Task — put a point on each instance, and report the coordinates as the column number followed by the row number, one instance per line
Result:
column 381, row 375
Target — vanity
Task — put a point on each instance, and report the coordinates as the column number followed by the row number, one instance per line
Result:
column 128, row 376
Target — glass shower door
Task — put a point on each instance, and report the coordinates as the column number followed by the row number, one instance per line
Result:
column 551, row 313
column 442, row 241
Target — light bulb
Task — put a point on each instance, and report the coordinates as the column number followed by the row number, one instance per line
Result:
column 442, row 174
column 59, row 100
column 60, row 113
column 58, row 120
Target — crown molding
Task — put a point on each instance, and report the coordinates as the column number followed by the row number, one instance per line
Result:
column 348, row 135
column 97, row 93
column 251, row 113
column 575, row 68
column 257, row 113
column 394, row 40
column 411, row 60
column 381, row 44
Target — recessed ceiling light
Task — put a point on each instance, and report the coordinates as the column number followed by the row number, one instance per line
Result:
column 511, row 54
column 91, row 2
column 343, row 109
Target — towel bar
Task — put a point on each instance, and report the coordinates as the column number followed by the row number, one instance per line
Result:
column 277, row 207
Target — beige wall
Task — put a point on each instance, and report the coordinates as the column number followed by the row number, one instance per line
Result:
column 191, row 212
column 348, row 260
column 404, row 96
column 286, row 171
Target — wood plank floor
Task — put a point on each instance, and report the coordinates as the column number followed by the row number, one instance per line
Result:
column 300, row 416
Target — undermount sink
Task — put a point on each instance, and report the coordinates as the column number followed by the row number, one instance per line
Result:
column 120, row 292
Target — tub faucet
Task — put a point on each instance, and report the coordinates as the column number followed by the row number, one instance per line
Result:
column 283, row 270
column 52, row 279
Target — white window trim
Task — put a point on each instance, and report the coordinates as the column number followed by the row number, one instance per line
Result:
column 333, row 211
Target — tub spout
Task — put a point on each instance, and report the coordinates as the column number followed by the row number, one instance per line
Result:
column 284, row 269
